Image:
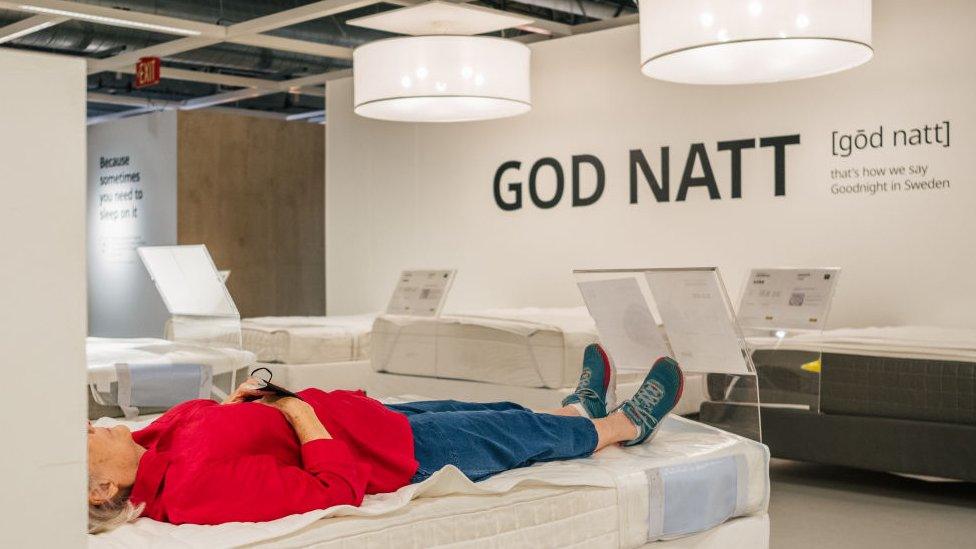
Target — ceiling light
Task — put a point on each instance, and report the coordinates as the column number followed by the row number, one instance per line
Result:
column 221, row 98
column 441, row 78
column 748, row 41
column 112, row 20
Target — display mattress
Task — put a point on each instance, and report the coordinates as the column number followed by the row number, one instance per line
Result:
column 105, row 355
column 691, row 478
column 308, row 339
column 907, row 372
column 918, row 342
column 525, row 347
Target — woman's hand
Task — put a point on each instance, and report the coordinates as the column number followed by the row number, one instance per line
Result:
column 248, row 389
column 290, row 406
column 301, row 416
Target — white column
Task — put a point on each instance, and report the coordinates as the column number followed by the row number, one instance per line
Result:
column 42, row 300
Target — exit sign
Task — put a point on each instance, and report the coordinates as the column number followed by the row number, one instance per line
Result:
column 147, row 72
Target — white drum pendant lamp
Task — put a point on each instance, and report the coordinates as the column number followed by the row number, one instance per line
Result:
column 441, row 79
column 752, row 41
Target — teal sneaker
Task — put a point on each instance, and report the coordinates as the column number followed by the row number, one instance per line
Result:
column 657, row 396
column 596, row 387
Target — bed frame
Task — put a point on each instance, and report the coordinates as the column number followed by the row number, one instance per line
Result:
column 898, row 415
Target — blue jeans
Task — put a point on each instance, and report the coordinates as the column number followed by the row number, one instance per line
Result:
column 485, row 439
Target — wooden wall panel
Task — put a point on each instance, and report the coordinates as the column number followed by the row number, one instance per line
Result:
column 253, row 191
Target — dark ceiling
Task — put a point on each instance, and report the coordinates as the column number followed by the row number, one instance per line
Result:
column 96, row 41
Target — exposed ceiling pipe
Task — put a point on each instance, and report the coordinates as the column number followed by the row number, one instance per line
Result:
column 185, row 105
column 96, row 41
column 306, row 115
column 84, row 38
column 140, row 105
column 28, row 26
column 92, row 120
column 80, row 38
column 130, row 101
column 90, row 40
column 586, row 8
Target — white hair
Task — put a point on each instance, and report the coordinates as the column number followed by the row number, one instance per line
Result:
column 113, row 512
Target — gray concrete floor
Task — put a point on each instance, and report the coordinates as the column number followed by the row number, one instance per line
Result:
column 822, row 507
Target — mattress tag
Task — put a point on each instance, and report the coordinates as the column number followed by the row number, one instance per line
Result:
column 784, row 299
column 421, row 293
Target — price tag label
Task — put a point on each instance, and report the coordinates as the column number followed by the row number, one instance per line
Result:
column 421, row 293
column 625, row 322
column 797, row 299
column 697, row 318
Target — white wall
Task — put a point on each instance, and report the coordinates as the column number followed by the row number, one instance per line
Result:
column 42, row 300
column 408, row 196
column 131, row 203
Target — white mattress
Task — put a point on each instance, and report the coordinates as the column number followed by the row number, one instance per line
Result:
column 530, row 347
column 691, row 478
column 308, row 339
column 919, row 342
column 104, row 353
column 524, row 347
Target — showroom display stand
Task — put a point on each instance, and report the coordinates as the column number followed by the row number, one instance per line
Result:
column 684, row 313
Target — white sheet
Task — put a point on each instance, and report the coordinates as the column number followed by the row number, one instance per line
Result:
column 104, row 353
column 308, row 339
column 919, row 342
column 625, row 491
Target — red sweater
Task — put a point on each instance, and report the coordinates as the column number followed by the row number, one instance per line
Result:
column 209, row 463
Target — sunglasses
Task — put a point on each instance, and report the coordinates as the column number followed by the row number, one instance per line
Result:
column 263, row 376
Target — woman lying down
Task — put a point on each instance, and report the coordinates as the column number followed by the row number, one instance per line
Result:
column 208, row 463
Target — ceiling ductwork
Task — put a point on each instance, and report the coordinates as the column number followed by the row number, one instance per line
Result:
column 584, row 8
column 79, row 38
column 88, row 39
column 99, row 41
